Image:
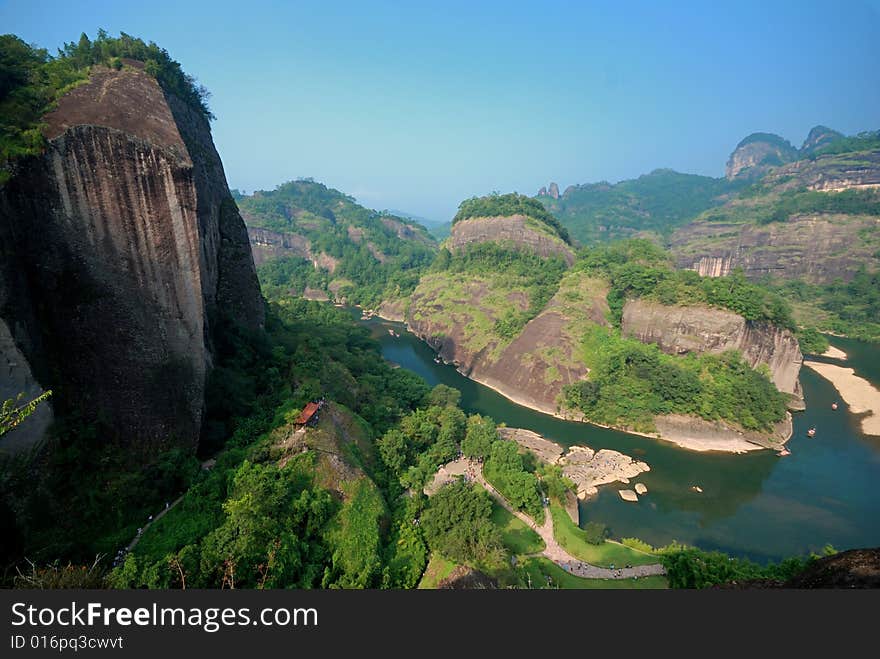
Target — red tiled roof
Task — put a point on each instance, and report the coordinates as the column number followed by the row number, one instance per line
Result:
column 307, row 413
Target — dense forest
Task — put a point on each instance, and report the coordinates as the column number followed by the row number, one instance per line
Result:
column 369, row 257
column 654, row 203
column 32, row 80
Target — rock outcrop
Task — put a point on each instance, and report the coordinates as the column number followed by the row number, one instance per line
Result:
column 531, row 369
column 515, row 229
column 816, row 248
column 267, row 245
column 757, row 154
column 818, row 137
column 123, row 254
column 678, row 330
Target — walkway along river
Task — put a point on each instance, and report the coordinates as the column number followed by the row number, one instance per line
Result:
column 757, row 505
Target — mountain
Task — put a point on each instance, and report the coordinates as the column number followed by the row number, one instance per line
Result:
column 818, row 138
column 652, row 205
column 306, row 236
column 810, row 227
column 123, row 259
column 756, row 154
column 511, row 305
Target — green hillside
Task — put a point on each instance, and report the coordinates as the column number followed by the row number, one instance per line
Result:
column 654, row 203
column 369, row 256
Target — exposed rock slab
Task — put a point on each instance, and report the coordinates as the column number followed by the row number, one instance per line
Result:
column 544, row 449
column 590, row 469
column 641, row 488
column 679, row 330
column 628, row 495
column 121, row 253
column 514, row 229
column 699, row 434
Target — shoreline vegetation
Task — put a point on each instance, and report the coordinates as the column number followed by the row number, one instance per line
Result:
column 729, row 441
column 861, row 396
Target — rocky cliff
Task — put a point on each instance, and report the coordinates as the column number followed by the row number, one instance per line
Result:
column 530, row 369
column 516, row 229
column 818, row 137
column 757, row 154
column 679, row 330
column 123, row 255
column 784, row 228
column 818, row 248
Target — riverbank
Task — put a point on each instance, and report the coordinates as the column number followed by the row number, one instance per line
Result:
column 834, row 353
column 586, row 468
column 860, row 395
column 692, row 433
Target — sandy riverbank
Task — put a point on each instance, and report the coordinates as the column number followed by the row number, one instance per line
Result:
column 834, row 353
column 861, row 396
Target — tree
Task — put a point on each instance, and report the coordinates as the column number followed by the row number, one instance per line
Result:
column 13, row 411
column 444, row 396
column 394, row 450
column 481, row 434
column 457, row 523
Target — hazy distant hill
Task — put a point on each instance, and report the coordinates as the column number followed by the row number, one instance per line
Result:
column 437, row 228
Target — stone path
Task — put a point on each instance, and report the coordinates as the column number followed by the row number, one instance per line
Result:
column 552, row 549
column 138, row 537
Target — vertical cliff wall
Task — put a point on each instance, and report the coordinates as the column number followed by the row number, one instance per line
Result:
column 122, row 256
column 683, row 329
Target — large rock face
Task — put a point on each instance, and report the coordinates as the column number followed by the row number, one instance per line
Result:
column 121, row 251
column 516, row 229
column 757, row 154
column 532, row 368
column 818, row 137
column 817, row 247
column 683, row 329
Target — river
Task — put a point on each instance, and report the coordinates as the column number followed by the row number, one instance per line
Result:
column 756, row 505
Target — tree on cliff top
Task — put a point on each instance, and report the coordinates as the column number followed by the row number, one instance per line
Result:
column 503, row 205
column 32, row 81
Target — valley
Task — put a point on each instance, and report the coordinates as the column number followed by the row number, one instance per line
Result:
column 599, row 387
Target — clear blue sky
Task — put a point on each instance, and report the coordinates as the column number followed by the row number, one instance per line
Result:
column 417, row 105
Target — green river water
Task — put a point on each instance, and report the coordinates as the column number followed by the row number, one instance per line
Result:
column 756, row 504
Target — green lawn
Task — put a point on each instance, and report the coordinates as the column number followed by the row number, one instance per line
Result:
column 571, row 537
column 515, row 534
column 438, row 569
column 541, row 568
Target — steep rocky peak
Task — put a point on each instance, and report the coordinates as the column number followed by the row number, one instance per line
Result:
column 818, row 137
column 120, row 251
column 758, row 153
column 551, row 191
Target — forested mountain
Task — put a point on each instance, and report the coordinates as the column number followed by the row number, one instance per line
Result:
column 547, row 327
column 306, row 235
column 810, row 228
column 652, row 205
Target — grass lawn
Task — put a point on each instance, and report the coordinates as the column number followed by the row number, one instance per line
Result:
column 571, row 537
column 541, row 568
column 438, row 569
column 517, row 537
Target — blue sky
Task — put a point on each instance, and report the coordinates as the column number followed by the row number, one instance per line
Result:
column 418, row 105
